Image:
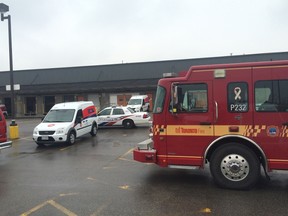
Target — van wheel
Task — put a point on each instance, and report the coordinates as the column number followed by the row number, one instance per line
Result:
column 235, row 166
column 71, row 138
column 128, row 124
column 93, row 130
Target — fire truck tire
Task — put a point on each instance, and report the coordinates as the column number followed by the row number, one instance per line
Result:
column 235, row 166
column 71, row 138
column 128, row 124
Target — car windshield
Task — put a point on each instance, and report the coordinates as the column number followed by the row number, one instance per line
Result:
column 131, row 110
column 134, row 102
column 61, row 115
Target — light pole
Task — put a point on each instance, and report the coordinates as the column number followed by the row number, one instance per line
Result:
column 3, row 9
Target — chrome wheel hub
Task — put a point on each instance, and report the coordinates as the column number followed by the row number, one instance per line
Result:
column 234, row 167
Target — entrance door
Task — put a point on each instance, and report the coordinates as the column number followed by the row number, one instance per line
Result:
column 122, row 100
column 7, row 102
column 49, row 102
column 30, row 106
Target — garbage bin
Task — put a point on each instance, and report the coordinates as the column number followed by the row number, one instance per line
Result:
column 14, row 130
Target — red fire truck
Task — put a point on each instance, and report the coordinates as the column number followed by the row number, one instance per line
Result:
column 232, row 116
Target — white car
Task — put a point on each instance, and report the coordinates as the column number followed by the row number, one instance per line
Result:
column 122, row 116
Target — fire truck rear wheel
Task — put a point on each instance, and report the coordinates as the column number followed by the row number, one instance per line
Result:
column 235, row 166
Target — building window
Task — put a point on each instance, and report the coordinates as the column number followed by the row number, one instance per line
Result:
column 68, row 98
column 80, row 98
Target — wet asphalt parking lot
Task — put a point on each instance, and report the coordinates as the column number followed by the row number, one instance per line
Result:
column 98, row 177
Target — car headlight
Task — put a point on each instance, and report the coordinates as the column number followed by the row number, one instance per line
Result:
column 35, row 132
column 60, row 131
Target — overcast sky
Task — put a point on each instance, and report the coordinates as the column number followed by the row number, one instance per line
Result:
column 67, row 33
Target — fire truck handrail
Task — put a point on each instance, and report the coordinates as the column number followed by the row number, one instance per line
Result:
column 241, row 137
column 216, row 111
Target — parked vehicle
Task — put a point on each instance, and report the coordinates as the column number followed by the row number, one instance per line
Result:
column 234, row 116
column 122, row 116
column 4, row 143
column 139, row 103
column 65, row 122
column 4, row 110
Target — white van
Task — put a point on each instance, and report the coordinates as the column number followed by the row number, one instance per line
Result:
column 65, row 122
column 139, row 103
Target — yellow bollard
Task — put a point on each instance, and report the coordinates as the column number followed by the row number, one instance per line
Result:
column 14, row 130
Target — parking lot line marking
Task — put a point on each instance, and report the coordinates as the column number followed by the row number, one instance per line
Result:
column 34, row 209
column 106, row 167
column 29, row 138
column 68, row 194
column 125, row 159
column 206, row 210
column 61, row 208
column 63, row 149
column 26, row 138
column 128, row 152
column 54, row 204
column 122, row 157
column 100, row 209
column 91, row 178
column 124, row 187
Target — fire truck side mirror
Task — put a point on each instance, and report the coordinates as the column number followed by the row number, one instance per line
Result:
column 174, row 99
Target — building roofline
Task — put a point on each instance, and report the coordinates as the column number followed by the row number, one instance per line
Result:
column 153, row 62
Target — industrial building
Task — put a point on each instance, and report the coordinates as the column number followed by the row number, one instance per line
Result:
column 105, row 85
